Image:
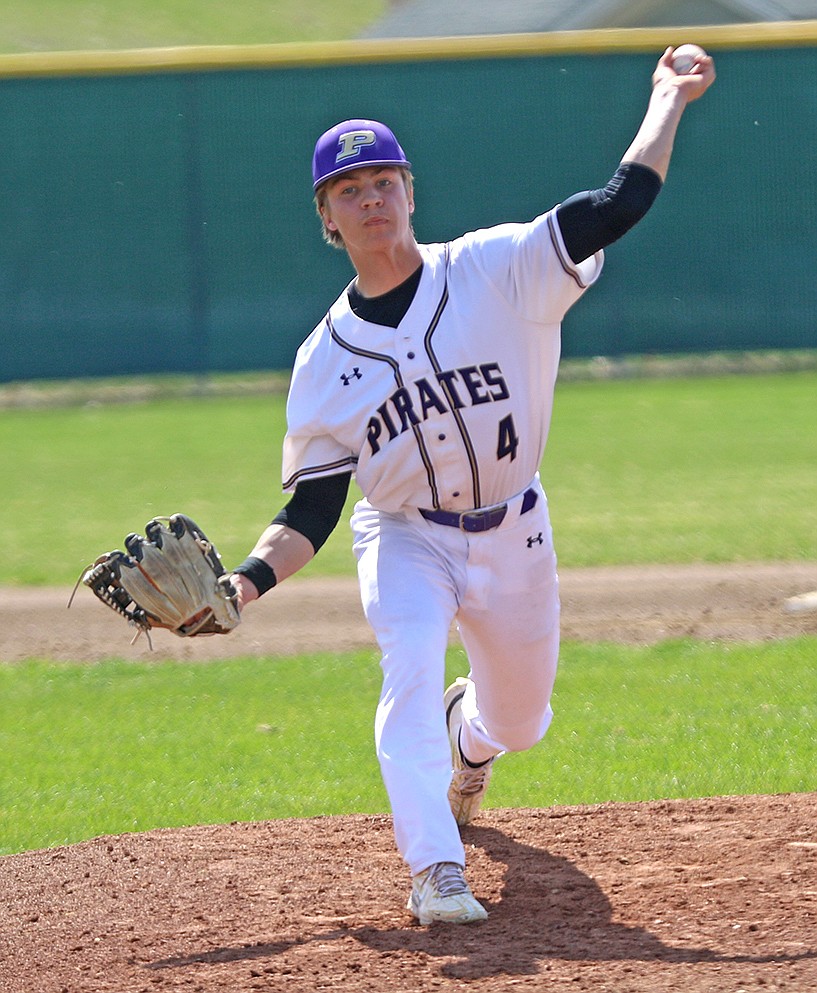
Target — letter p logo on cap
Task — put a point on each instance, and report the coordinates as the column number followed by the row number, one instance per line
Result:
column 351, row 142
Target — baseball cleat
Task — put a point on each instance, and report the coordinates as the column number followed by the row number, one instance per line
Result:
column 468, row 782
column 440, row 893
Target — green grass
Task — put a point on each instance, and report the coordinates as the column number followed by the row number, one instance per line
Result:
column 680, row 719
column 82, row 476
column 64, row 25
column 680, row 470
column 123, row 746
column 640, row 471
column 88, row 750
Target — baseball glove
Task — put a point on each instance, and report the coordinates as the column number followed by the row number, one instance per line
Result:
column 172, row 578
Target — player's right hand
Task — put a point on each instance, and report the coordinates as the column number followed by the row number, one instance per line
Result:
column 692, row 85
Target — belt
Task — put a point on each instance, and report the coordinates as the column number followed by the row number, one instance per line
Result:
column 475, row 521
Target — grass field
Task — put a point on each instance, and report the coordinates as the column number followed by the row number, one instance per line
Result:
column 123, row 746
column 652, row 470
column 65, row 25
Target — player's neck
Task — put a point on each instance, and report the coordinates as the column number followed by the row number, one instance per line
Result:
column 379, row 272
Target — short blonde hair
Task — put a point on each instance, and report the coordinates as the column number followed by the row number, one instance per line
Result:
column 334, row 238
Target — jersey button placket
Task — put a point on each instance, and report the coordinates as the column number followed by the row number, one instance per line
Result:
column 448, row 463
column 446, row 453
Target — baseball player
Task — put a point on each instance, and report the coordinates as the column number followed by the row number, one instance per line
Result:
column 431, row 379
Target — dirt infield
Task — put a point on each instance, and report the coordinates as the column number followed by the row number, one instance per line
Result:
column 715, row 895
column 635, row 604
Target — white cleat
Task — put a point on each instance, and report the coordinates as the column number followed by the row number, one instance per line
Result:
column 440, row 893
column 468, row 783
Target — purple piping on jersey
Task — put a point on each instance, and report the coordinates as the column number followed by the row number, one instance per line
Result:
column 398, row 378
column 437, row 366
column 327, row 469
column 565, row 261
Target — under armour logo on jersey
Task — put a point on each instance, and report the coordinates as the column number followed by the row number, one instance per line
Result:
column 351, row 143
column 354, row 374
column 536, row 539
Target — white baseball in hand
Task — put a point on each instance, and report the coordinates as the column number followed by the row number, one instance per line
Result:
column 685, row 57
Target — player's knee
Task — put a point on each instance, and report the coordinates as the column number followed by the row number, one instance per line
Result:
column 521, row 741
column 519, row 737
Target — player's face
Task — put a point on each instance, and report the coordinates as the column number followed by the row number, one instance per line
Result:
column 370, row 207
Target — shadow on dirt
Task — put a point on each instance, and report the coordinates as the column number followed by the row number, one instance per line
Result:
column 549, row 911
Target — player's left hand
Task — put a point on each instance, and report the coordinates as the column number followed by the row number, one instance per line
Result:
column 172, row 578
column 691, row 85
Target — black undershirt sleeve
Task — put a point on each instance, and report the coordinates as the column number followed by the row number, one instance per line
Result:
column 594, row 219
column 315, row 507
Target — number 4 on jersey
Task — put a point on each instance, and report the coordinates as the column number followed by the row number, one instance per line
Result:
column 508, row 438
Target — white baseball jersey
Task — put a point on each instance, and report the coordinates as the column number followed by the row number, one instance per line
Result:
column 452, row 408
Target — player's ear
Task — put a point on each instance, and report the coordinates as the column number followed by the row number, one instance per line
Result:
column 327, row 220
column 408, row 179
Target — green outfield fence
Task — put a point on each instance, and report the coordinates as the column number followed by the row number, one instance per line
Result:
column 156, row 213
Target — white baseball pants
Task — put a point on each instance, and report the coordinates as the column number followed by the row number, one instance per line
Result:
column 501, row 588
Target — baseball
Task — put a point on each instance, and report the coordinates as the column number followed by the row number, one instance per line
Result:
column 685, row 57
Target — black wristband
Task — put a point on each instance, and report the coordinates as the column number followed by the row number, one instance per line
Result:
column 260, row 573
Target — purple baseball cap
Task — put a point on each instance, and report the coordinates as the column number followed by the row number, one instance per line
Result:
column 353, row 145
